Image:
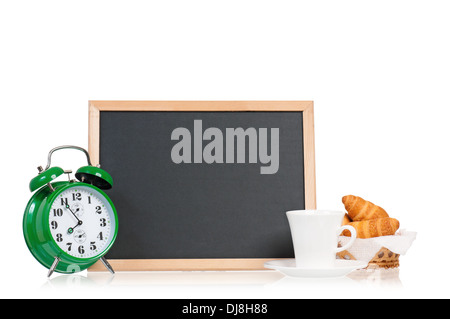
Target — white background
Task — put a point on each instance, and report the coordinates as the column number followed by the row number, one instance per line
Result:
column 377, row 71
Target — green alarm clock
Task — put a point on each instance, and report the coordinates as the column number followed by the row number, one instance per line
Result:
column 70, row 225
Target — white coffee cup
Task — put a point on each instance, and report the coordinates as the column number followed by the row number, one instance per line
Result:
column 315, row 236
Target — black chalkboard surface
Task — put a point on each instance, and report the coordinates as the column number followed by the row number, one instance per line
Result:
column 206, row 185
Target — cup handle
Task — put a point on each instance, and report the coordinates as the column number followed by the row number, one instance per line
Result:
column 352, row 239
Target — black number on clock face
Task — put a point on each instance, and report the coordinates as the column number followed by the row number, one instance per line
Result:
column 57, row 212
column 64, row 201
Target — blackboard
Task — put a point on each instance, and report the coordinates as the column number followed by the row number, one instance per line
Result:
column 203, row 185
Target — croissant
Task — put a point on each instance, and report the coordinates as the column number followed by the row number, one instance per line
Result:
column 360, row 209
column 374, row 227
column 346, row 220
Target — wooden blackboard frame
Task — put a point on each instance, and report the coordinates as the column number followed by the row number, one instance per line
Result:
column 306, row 107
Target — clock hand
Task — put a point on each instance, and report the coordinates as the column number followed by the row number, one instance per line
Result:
column 70, row 230
column 68, row 207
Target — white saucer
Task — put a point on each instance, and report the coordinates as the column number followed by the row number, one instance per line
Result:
column 341, row 268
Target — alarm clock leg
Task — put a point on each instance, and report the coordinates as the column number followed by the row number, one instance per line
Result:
column 53, row 267
column 107, row 265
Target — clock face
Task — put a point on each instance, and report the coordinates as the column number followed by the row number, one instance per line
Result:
column 82, row 222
